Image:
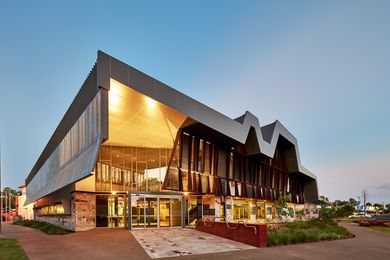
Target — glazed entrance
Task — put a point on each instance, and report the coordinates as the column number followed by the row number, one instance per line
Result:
column 155, row 211
column 110, row 211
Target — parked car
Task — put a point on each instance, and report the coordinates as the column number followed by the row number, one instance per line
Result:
column 359, row 215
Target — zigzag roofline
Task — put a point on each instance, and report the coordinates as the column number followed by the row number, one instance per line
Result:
column 236, row 129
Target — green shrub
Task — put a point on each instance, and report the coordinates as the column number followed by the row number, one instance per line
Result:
column 45, row 227
column 345, row 211
column 310, row 231
column 327, row 214
column 272, row 238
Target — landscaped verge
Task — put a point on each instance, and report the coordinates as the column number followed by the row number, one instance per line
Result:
column 45, row 227
column 305, row 231
column 380, row 228
column 10, row 249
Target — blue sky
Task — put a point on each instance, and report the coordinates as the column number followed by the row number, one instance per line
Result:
column 320, row 67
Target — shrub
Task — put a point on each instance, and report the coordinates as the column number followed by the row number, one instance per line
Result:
column 345, row 211
column 310, row 231
column 45, row 227
column 327, row 214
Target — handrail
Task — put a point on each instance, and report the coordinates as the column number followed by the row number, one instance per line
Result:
column 229, row 226
column 254, row 228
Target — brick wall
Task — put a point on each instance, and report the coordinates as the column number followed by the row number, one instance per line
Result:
column 84, row 210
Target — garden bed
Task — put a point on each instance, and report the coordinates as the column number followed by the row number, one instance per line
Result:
column 305, row 231
column 45, row 227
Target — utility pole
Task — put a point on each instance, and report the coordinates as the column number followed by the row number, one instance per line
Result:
column 364, row 201
column 1, row 196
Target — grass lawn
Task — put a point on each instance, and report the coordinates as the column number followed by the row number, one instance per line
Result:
column 42, row 226
column 379, row 228
column 10, row 249
column 305, row 231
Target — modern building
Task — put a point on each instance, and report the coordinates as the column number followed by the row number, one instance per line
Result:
column 22, row 210
column 132, row 152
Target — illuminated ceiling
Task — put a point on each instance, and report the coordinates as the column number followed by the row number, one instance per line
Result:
column 137, row 120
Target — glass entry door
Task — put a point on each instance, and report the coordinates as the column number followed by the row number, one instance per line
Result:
column 194, row 210
column 110, row 211
column 151, row 212
column 154, row 211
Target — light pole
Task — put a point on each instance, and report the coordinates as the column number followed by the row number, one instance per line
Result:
column 1, row 197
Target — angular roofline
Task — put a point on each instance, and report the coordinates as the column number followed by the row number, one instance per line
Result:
column 108, row 67
column 236, row 129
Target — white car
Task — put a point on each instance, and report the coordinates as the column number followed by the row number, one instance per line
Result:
column 359, row 215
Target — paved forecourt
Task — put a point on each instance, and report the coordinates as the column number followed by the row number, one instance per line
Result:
column 121, row 244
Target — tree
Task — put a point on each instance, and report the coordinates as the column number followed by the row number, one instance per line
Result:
column 282, row 208
column 345, row 210
column 378, row 207
column 353, row 202
column 327, row 214
column 324, row 201
column 9, row 194
column 387, row 208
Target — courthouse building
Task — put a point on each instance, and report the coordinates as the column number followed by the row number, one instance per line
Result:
column 132, row 152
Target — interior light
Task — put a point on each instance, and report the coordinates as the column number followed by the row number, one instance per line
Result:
column 114, row 94
column 150, row 102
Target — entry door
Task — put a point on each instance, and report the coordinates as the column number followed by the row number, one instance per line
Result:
column 194, row 210
column 165, row 212
column 155, row 211
column 151, row 212
column 110, row 211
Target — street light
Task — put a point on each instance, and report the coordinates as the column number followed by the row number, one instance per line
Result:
column 1, row 197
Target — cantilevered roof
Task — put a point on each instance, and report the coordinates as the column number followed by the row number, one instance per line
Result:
column 236, row 129
column 239, row 130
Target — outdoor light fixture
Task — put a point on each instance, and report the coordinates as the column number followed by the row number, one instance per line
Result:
column 150, row 102
column 114, row 94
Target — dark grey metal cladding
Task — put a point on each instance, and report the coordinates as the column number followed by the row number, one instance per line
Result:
column 245, row 129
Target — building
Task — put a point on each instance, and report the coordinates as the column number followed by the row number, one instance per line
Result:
column 23, row 211
column 133, row 152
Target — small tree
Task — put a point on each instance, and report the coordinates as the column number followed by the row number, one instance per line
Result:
column 327, row 214
column 300, row 214
column 281, row 206
column 345, row 211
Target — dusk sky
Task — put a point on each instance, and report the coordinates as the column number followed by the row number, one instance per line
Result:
column 322, row 68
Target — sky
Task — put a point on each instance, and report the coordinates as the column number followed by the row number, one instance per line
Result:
column 322, row 68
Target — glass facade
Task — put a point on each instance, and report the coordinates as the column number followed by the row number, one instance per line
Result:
column 153, row 211
column 121, row 168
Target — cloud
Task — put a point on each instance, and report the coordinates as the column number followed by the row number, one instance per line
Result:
column 385, row 186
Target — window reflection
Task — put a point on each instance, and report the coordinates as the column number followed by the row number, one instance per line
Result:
column 122, row 168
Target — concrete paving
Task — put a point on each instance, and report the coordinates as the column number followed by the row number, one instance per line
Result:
column 100, row 243
column 121, row 244
column 368, row 244
column 183, row 241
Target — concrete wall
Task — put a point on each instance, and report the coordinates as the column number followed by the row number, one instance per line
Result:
column 64, row 221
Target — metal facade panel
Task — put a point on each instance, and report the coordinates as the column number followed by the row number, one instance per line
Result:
column 46, row 181
column 85, row 95
column 121, row 71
